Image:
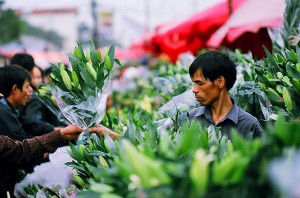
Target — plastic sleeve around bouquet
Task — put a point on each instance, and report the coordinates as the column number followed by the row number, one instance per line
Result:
column 181, row 102
column 172, row 85
column 62, row 121
column 84, row 113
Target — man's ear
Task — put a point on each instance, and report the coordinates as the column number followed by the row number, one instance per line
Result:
column 221, row 82
column 14, row 89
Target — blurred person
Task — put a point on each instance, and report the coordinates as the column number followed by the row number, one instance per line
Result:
column 47, row 73
column 35, row 108
column 37, row 77
column 24, row 60
column 15, row 154
column 213, row 75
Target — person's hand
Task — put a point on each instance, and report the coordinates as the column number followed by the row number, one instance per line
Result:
column 70, row 132
column 293, row 40
column 100, row 129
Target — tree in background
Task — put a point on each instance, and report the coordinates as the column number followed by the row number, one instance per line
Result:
column 11, row 25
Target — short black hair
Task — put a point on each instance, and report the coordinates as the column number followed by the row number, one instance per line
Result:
column 24, row 60
column 12, row 75
column 214, row 64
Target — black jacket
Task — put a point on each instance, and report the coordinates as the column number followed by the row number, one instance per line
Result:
column 37, row 109
column 18, row 127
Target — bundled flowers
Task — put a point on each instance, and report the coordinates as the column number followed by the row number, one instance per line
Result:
column 81, row 92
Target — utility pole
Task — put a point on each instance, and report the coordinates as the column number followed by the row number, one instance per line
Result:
column 1, row 2
column 95, row 37
column 229, row 2
column 147, row 15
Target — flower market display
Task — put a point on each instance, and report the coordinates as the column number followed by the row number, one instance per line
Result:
column 156, row 155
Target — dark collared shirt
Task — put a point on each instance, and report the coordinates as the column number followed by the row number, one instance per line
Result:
column 236, row 118
column 14, row 154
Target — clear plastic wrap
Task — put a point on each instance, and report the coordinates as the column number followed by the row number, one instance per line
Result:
column 84, row 113
column 181, row 102
column 60, row 175
column 172, row 85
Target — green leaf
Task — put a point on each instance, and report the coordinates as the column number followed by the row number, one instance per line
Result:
column 110, row 144
column 75, row 62
column 93, row 55
column 109, row 120
column 292, row 72
column 97, row 153
column 280, row 130
column 270, row 57
column 81, row 51
column 293, row 56
column 100, row 76
column 111, row 54
column 101, row 188
column 75, row 153
column 118, row 62
column 86, row 77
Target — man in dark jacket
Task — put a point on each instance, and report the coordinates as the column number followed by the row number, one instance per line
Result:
column 15, row 87
column 35, row 108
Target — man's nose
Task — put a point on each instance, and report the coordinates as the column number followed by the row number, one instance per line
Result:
column 194, row 89
column 30, row 90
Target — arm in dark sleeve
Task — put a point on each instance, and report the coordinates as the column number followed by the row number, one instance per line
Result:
column 16, row 153
column 35, row 127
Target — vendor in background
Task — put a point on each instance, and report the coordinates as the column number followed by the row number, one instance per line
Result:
column 213, row 75
column 35, row 107
column 37, row 77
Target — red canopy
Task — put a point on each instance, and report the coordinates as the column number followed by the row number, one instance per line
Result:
column 193, row 33
column 248, row 22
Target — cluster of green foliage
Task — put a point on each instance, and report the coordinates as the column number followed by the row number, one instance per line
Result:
column 11, row 26
column 191, row 162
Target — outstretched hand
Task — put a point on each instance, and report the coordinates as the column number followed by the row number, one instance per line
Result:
column 100, row 129
column 70, row 132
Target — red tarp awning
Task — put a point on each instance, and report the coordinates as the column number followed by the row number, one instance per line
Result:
column 193, row 33
column 247, row 23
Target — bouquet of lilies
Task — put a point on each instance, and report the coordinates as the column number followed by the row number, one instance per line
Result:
column 81, row 92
